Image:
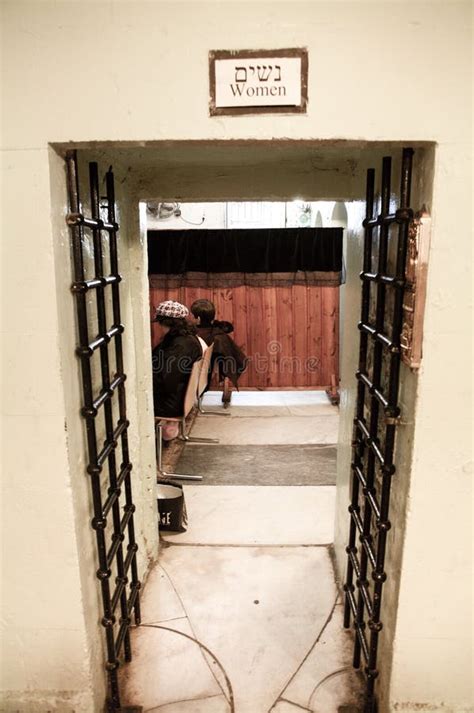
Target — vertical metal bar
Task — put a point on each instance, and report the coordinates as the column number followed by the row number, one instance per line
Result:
column 129, row 506
column 405, row 190
column 105, row 371
column 374, row 404
column 384, row 524
column 358, row 448
column 367, row 438
column 89, row 413
column 80, row 296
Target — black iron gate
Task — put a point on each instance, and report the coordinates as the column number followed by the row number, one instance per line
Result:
column 99, row 327
column 377, row 413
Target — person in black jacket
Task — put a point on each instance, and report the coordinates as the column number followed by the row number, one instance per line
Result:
column 229, row 358
column 172, row 362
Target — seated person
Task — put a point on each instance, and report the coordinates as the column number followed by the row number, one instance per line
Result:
column 172, row 363
column 230, row 359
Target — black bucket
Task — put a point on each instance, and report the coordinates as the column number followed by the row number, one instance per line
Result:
column 171, row 507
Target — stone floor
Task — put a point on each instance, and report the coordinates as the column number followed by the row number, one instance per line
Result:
column 241, row 613
column 309, row 464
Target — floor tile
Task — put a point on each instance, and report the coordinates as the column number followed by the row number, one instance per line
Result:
column 268, row 430
column 313, row 409
column 159, row 601
column 326, row 680
column 309, row 403
column 252, row 577
column 287, row 707
column 250, row 398
column 340, row 692
column 246, row 404
column 215, row 704
column 255, row 609
column 272, row 403
column 166, row 664
column 253, row 515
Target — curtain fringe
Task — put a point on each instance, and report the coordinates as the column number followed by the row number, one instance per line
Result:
column 250, row 279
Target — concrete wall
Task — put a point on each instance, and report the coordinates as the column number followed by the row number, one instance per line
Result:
column 137, row 72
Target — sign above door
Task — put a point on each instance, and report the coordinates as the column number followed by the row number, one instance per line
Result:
column 258, row 81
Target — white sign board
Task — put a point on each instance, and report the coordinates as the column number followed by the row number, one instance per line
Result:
column 254, row 82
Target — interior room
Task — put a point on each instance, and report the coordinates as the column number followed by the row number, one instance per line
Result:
column 266, row 482
column 271, row 507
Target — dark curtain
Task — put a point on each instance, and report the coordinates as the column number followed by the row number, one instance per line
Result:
column 259, row 257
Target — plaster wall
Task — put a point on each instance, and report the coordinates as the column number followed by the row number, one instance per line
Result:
column 46, row 659
column 151, row 84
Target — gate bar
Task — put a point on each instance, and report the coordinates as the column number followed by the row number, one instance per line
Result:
column 365, row 306
column 367, row 438
column 383, row 523
column 374, row 404
column 132, row 546
column 118, row 475
column 94, row 469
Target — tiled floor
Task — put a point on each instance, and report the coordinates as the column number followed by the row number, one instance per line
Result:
column 241, row 613
column 252, row 515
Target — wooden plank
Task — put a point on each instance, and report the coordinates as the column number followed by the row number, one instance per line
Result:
column 222, row 298
column 300, row 346
column 156, row 296
column 314, row 338
column 296, row 329
column 189, row 295
column 240, row 322
column 174, row 294
column 336, row 295
column 285, row 337
column 271, row 334
column 330, row 329
column 256, row 336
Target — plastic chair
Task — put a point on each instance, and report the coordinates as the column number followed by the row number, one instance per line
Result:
column 188, row 403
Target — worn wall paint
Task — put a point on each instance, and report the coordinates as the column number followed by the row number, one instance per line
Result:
column 413, row 64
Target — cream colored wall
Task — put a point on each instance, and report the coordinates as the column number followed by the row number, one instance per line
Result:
column 45, row 649
column 434, row 622
column 402, row 73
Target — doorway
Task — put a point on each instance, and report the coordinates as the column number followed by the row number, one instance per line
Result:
column 349, row 176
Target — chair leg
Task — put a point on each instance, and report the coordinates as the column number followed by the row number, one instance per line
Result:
column 190, row 439
column 159, row 460
column 159, row 446
column 210, row 413
column 226, row 393
column 180, row 476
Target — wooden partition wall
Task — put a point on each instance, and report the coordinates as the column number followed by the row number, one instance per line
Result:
column 290, row 334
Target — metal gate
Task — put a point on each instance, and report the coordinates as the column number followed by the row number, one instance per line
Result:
column 99, row 329
column 377, row 413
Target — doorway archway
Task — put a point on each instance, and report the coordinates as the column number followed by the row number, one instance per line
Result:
column 145, row 168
